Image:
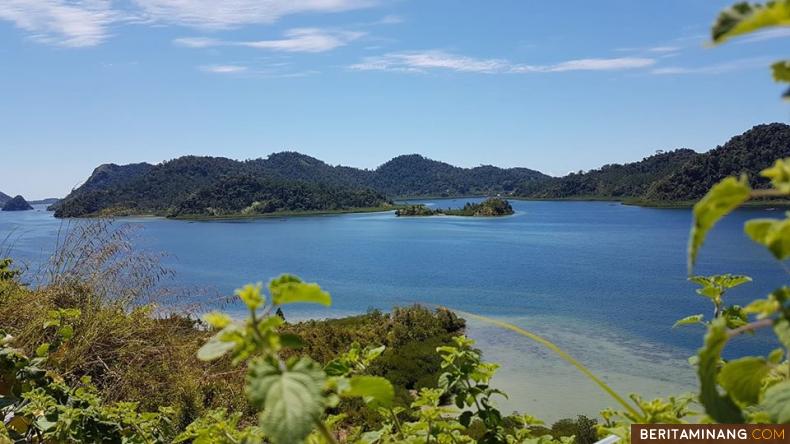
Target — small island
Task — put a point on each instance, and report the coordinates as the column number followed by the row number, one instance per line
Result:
column 18, row 203
column 490, row 207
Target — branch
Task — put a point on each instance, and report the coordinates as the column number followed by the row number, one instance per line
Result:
column 762, row 323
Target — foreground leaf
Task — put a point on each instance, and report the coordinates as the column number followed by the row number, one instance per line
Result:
column 774, row 234
column 781, row 71
column 777, row 402
column 374, row 389
column 689, row 320
column 779, row 174
column 214, row 348
column 743, row 18
column 719, row 407
column 742, row 378
column 290, row 399
column 288, row 289
column 722, row 198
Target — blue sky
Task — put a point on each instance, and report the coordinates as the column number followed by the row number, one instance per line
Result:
column 556, row 86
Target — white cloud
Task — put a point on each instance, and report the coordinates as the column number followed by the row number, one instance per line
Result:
column 68, row 23
column 426, row 60
column 307, row 40
column 664, row 49
column 721, row 68
column 197, row 42
column 223, row 69
column 419, row 61
column 612, row 64
column 79, row 23
column 218, row 14
column 295, row 40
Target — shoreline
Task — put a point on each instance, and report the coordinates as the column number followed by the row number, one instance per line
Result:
column 277, row 214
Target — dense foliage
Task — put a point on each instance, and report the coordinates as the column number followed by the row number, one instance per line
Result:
column 675, row 176
column 493, row 206
column 414, row 175
column 612, row 181
column 282, row 182
column 290, row 181
column 247, row 195
column 18, row 203
column 298, row 398
column 748, row 153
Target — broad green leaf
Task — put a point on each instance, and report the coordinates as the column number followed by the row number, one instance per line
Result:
column 713, row 287
column 337, row 367
column 217, row 320
column 251, row 295
column 774, row 234
column 743, row 18
column 722, row 198
column 782, row 330
column 719, row 407
column 373, row 353
column 777, row 402
column 781, row 71
column 288, row 289
column 775, row 357
column 689, row 320
column 290, row 399
column 66, row 332
column 779, row 174
column 42, row 349
column 374, row 389
column 762, row 307
column 742, row 378
column 214, row 348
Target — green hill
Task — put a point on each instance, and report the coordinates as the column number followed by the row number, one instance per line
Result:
column 748, row 153
column 612, row 181
column 671, row 177
column 286, row 181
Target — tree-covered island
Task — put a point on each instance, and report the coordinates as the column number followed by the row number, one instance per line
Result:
column 493, row 206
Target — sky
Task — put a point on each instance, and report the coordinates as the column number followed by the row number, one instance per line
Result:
column 557, row 86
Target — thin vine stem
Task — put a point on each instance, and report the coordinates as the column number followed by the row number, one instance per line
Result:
column 565, row 356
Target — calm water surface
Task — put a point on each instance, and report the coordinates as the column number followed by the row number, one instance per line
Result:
column 605, row 281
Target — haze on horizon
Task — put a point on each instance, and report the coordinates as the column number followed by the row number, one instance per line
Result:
column 551, row 86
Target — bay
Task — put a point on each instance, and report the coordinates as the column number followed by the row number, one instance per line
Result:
column 604, row 281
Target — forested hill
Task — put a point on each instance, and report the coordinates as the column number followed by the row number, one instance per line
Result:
column 749, row 153
column 414, row 175
column 204, row 185
column 290, row 181
column 671, row 177
column 612, row 181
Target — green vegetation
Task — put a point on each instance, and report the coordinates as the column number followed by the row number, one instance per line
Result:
column 675, row 178
column 610, row 181
column 18, row 203
column 105, row 368
column 493, row 206
column 284, row 182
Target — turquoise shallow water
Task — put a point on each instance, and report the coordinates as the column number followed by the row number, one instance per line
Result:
column 603, row 280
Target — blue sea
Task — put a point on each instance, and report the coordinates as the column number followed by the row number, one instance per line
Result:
column 603, row 280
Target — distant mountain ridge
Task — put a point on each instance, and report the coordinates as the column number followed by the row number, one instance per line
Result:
column 679, row 176
column 180, row 185
column 4, row 198
column 290, row 181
